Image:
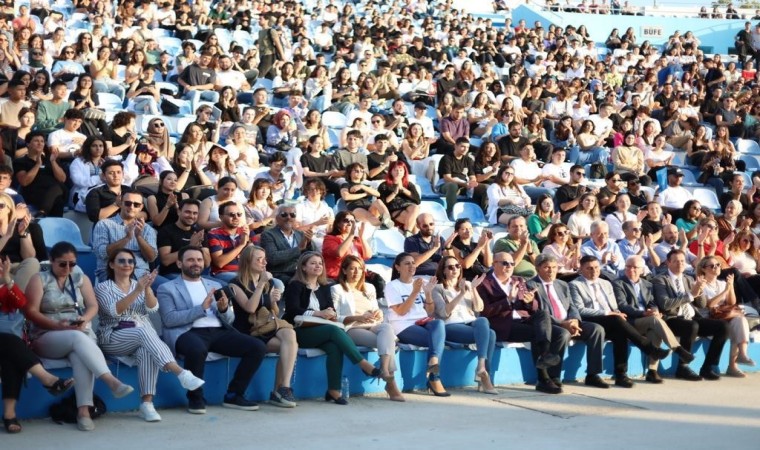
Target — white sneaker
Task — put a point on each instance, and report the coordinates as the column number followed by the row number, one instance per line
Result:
column 148, row 412
column 189, row 381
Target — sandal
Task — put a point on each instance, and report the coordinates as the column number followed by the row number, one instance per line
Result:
column 60, row 386
column 12, row 426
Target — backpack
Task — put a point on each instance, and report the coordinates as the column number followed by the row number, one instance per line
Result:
column 66, row 410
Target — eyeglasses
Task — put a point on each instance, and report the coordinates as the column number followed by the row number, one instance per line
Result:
column 454, row 266
column 65, row 264
column 286, row 215
column 125, row 261
column 505, row 263
column 129, row 204
column 235, row 215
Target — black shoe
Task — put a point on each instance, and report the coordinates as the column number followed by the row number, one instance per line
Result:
column 338, row 401
column 236, row 401
column 196, row 406
column 557, row 381
column 685, row 355
column 653, row 377
column 623, row 381
column 658, row 352
column 685, row 373
column 548, row 387
column 709, row 374
column 547, row 360
column 596, row 381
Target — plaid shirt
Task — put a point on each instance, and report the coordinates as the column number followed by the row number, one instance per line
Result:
column 108, row 231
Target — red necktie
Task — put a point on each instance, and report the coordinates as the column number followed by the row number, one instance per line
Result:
column 557, row 309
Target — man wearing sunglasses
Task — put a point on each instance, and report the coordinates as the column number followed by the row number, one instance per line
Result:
column 283, row 244
column 514, row 313
column 568, row 196
column 126, row 230
column 225, row 243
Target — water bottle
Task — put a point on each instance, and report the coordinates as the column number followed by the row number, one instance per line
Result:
column 344, row 387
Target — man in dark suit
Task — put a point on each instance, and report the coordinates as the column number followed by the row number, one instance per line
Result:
column 635, row 300
column 195, row 323
column 283, row 244
column 515, row 316
column 554, row 298
column 595, row 300
column 675, row 292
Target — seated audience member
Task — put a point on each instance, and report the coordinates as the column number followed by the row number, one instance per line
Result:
column 568, row 196
column 654, row 221
column 61, row 319
column 736, row 192
column 163, row 206
column 174, row 236
column 282, row 177
column 16, row 101
column 41, row 177
column 457, row 172
column 559, row 244
column 356, row 305
column 364, row 200
column 426, row 247
column 126, row 230
column 674, row 196
column 732, row 219
column 68, row 141
column 607, row 196
column 542, row 219
column 476, row 257
column 634, row 296
column 313, row 213
column 619, row 216
column 401, row 197
column 605, row 250
column 528, row 174
column 410, row 313
column 104, row 201
column 691, row 214
column 506, row 198
column 283, row 243
column 517, row 242
column 515, row 315
column 86, row 170
column 351, row 154
column 50, row 113
column 456, row 303
column 553, row 297
column 678, row 296
column 226, row 190
column 226, row 242
column 195, row 323
column 307, row 294
column 126, row 330
column 586, row 213
column 256, row 293
column 633, row 243
column 22, row 244
column 595, row 300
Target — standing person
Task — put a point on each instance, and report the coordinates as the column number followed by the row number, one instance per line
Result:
column 457, row 302
column 356, row 305
column 270, row 46
column 126, row 330
column 61, row 306
column 308, row 294
column 257, row 293
column 197, row 321
column 411, row 307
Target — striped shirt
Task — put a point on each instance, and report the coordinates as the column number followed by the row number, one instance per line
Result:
column 221, row 239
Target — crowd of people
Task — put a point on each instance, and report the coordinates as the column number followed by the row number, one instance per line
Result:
column 225, row 230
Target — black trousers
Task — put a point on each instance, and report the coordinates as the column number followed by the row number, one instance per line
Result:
column 196, row 343
column 15, row 360
column 619, row 331
column 746, row 294
column 543, row 336
column 688, row 330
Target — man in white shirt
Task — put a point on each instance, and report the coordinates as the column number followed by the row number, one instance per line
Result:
column 602, row 122
column 198, row 320
column 68, row 141
column 227, row 76
column 675, row 195
column 420, row 117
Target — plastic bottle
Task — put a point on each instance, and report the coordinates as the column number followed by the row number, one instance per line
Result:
column 344, row 387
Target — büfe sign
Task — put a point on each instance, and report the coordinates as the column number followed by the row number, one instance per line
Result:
column 651, row 32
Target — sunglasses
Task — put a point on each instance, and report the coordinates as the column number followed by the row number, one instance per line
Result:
column 158, row 125
column 375, row 121
column 235, row 215
column 128, row 203
column 69, row 264
column 562, row 233
column 286, row 215
column 453, row 266
column 127, row 261
column 712, row 266
column 505, row 263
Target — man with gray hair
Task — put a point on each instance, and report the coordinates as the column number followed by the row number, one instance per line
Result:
column 635, row 299
column 606, row 250
column 283, row 244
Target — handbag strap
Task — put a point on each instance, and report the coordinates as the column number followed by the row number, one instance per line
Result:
column 73, row 294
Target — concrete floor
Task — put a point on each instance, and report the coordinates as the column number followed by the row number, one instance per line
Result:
column 674, row 415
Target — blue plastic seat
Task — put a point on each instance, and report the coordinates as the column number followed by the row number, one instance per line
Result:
column 469, row 210
column 58, row 229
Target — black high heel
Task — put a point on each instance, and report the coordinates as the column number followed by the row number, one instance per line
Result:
column 338, row 401
column 434, row 377
column 8, row 423
column 60, row 386
column 376, row 373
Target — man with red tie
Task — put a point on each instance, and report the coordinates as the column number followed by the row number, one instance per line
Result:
column 514, row 314
column 553, row 296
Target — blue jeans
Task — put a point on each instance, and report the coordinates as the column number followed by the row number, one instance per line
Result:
column 534, row 192
column 478, row 332
column 432, row 336
column 583, row 157
column 197, row 96
column 110, row 87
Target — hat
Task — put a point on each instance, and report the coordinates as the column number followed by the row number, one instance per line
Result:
column 231, row 151
column 676, row 172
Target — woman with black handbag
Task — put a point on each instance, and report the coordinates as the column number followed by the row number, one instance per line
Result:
column 257, row 293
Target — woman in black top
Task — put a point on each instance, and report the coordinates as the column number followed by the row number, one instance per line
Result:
column 254, row 289
column 41, row 178
column 228, row 105
column 362, row 199
column 318, row 165
column 188, row 169
column 163, row 206
column 401, row 197
column 476, row 257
